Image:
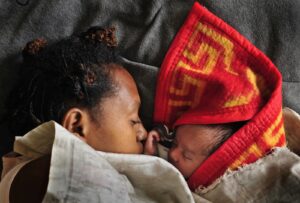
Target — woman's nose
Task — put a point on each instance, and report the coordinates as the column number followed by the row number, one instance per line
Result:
column 141, row 133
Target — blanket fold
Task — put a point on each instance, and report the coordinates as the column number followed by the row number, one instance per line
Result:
column 78, row 173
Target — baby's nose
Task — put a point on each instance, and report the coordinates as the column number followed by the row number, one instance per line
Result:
column 173, row 156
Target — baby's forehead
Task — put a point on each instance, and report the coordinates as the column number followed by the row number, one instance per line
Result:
column 197, row 139
column 195, row 134
column 196, row 129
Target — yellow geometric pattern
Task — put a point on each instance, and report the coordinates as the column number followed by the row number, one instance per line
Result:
column 224, row 42
column 187, row 83
column 253, row 149
column 210, row 63
column 270, row 137
column 205, row 50
column 245, row 99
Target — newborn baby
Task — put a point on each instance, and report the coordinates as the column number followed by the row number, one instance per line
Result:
column 191, row 145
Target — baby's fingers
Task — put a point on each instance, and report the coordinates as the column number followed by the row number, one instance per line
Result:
column 151, row 143
column 154, row 135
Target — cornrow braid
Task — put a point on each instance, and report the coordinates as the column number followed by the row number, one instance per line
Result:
column 75, row 71
column 33, row 47
column 102, row 35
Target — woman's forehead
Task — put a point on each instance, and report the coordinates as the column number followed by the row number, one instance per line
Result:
column 127, row 93
column 123, row 77
column 192, row 129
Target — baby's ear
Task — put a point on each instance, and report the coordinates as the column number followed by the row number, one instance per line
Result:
column 74, row 122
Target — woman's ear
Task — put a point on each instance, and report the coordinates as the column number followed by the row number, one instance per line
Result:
column 74, row 121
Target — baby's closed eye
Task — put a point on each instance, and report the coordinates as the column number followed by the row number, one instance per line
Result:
column 187, row 156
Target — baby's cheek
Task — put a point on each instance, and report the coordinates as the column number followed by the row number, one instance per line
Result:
column 199, row 161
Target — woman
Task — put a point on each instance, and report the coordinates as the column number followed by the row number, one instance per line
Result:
column 78, row 83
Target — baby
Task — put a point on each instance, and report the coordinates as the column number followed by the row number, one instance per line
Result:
column 191, row 145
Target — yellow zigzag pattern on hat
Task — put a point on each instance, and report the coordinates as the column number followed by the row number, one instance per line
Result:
column 270, row 138
column 191, row 84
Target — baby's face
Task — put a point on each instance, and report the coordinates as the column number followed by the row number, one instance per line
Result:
column 119, row 129
column 190, row 148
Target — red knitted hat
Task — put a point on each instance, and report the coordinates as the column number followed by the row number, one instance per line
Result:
column 212, row 74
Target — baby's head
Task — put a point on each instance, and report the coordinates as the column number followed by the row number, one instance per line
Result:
column 79, row 83
column 194, row 143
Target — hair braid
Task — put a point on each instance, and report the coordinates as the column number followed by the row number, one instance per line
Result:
column 72, row 72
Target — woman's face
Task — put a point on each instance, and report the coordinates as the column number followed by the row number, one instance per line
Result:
column 118, row 127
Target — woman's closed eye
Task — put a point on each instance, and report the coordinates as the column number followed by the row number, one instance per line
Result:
column 134, row 122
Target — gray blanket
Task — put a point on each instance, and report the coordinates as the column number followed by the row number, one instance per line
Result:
column 145, row 29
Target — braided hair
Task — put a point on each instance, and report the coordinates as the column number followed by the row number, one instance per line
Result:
column 73, row 72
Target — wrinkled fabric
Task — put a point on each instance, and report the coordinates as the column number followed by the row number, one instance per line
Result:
column 138, row 178
column 78, row 173
column 292, row 129
column 274, row 178
column 9, row 175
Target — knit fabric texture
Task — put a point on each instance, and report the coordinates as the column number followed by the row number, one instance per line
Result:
column 212, row 74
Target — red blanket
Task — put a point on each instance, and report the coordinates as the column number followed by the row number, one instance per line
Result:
column 212, row 74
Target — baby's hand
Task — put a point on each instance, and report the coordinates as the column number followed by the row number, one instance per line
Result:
column 151, row 143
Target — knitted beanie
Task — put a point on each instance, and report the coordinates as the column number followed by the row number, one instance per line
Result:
column 211, row 75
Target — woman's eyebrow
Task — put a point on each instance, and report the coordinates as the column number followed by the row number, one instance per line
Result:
column 134, row 105
column 137, row 121
column 137, row 104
